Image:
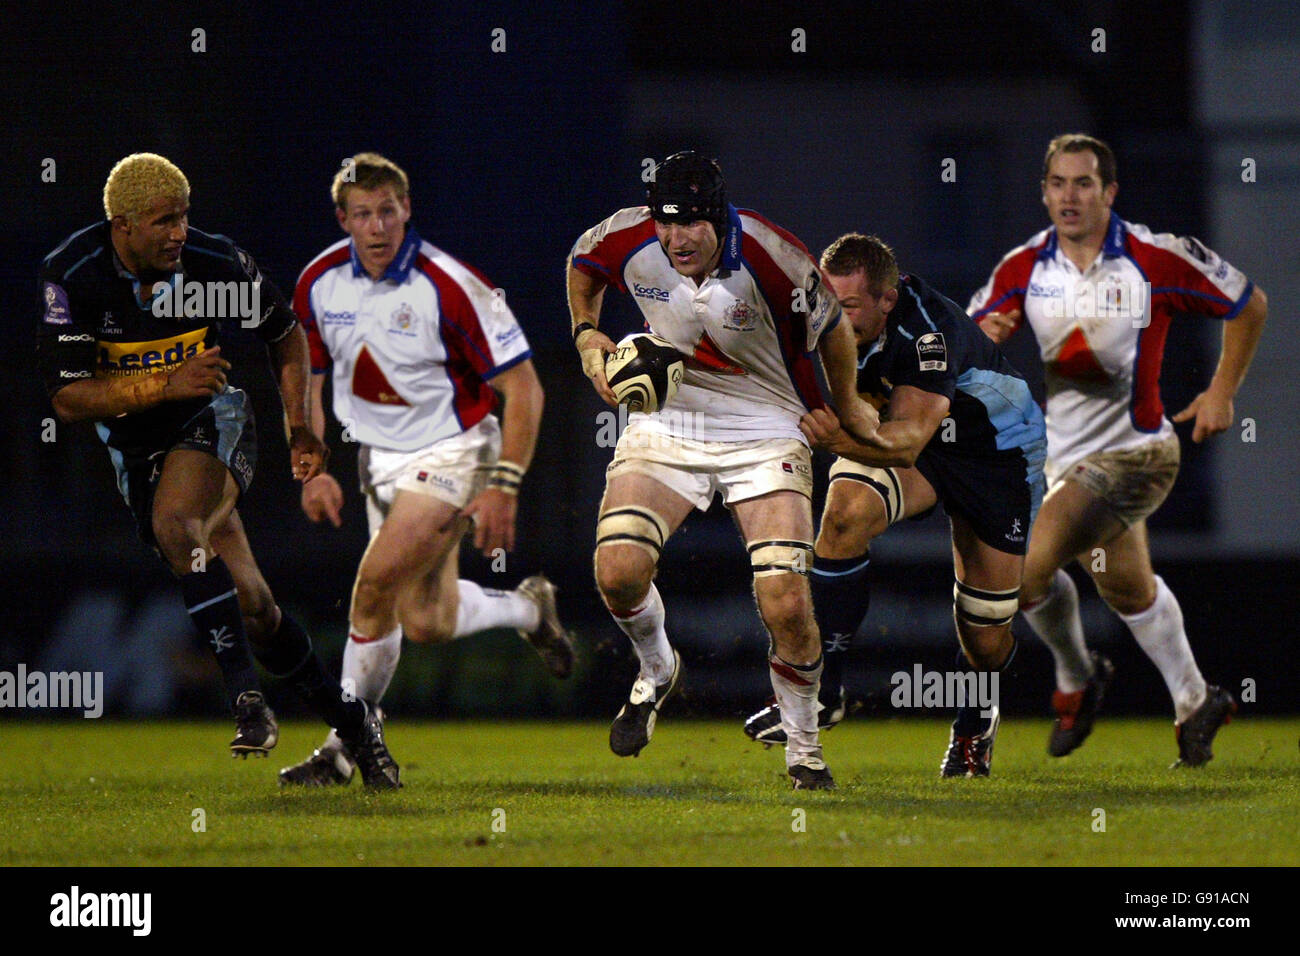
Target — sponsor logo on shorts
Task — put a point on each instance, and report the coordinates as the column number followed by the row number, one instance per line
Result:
column 650, row 292
column 931, row 352
column 83, row 374
column 740, row 317
column 239, row 461
column 56, row 305
column 796, row 468
column 108, row 325
column 82, row 337
column 439, row 480
column 1017, row 533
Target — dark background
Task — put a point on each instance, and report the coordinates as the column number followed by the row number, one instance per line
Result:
column 512, row 155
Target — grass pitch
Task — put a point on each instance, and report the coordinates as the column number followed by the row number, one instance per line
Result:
column 113, row 794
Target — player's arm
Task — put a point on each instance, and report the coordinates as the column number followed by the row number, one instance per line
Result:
column 1213, row 409
column 322, row 497
column 586, row 293
column 494, row 508
column 91, row 399
column 839, row 354
column 914, row 417
column 289, row 357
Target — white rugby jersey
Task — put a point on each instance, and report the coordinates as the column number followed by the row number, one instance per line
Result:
column 412, row 352
column 1102, row 332
column 749, row 332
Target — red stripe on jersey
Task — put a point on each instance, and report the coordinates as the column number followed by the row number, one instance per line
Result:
column 1147, row 408
column 791, row 332
column 1010, row 281
column 606, row 261
column 787, row 236
column 1179, row 284
column 320, row 356
column 469, row 357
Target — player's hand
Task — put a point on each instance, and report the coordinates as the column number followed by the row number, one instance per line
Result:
column 594, row 346
column 323, row 498
column 999, row 325
column 1213, row 413
column 493, row 513
column 307, row 453
column 200, row 376
column 859, row 419
column 822, row 428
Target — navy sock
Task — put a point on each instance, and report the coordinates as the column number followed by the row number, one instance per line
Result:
column 841, row 595
column 289, row 656
column 213, row 605
column 969, row 722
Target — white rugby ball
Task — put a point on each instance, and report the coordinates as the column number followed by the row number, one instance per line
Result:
column 644, row 372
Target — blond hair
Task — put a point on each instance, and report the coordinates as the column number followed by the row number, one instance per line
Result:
column 368, row 171
column 140, row 180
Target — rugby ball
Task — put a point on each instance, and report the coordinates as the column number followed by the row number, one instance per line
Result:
column 644, row 372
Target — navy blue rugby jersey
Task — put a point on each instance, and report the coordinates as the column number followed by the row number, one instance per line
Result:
column 930, row 343
column 93, row 322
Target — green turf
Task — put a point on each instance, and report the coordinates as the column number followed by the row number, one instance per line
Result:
column 97, row 792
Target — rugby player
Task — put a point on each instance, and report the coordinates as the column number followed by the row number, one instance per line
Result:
column 126, row 342
column 417, row 342
column 961, row 428
column 1099, row 294
column 745, row 302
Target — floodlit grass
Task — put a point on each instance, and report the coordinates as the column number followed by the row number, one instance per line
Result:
column 104, row 793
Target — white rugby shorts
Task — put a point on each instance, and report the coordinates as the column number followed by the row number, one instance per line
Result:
column 453, row 470
column 697, row 470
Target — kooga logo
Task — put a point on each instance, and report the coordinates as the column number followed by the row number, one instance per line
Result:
column 649, row 292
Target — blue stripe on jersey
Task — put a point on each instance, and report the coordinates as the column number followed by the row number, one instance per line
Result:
column 64, row 244
column 504, row 366
column 921, row 308
column 591, row 262
column 904, row 333
column 82, row 261
column 1221, row 300
column 1010, row 406
column 992, row 306
column 209, row 252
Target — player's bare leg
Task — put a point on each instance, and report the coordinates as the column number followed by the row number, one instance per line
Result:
column 777, row 529
column 1127, row 582
column 985, row 602
column 194, row 497
column 638, row 515
column 1071, row 522
column 856, row 512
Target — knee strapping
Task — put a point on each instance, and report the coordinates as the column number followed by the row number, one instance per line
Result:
column 985, row 608
column 883, row 481
column 780, row 557
column 632, row 524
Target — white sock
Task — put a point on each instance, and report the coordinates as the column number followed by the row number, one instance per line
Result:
column 482, row 609
column 1159, row 632
column 796, row 694
column 368, row 668
column 644, row 627
column 1055, row 619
